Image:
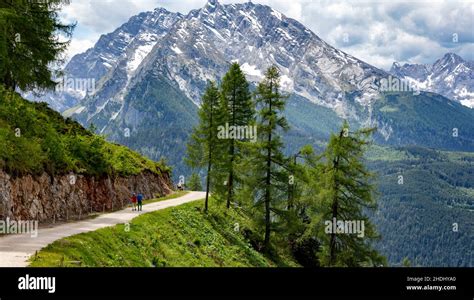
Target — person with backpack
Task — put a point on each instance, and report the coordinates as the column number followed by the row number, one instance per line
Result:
column 134, row 202
column 140, row 201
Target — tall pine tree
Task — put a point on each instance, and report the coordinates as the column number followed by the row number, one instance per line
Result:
column 30, row 47
column 203, row 146
column 238, row 110
column 270, row 178
column 345, row 192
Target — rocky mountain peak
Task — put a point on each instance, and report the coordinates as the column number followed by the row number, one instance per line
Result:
column 452, row 58
column 193, row 49
column 212, row 4
column 448, row 62
column 450, row 76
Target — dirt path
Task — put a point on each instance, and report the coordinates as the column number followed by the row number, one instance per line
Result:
column 16, row 249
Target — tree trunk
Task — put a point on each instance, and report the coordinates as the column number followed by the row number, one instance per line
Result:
column 268, row 181
column 332, row 242
column 230, row 183
column 267, row 200
column 208, row 180
column 209, row 163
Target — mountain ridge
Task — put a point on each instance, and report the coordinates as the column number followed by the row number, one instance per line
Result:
column 450, row 76
column 153, row 109
column 200, row 46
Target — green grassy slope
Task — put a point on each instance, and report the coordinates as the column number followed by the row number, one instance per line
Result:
column 180, row 236
column 36, row 139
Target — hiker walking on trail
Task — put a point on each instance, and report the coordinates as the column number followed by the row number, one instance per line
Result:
column 140, row 201
column 134, row 202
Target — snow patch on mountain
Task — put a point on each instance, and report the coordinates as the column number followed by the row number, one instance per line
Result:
column 140, row 53
column 191, row 50
column 287, row 83
column 177, row 50
column 251, row 70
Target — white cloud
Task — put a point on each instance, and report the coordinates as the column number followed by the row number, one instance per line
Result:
column 105, row 15
column 376, row 31
column 78, row 46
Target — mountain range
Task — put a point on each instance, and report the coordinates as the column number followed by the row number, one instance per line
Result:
column 450, row 76
column 151, row 72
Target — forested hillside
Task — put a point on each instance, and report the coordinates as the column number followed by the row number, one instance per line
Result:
column 424, row 119
column 426, row 206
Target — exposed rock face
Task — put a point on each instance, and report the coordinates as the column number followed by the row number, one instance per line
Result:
column 68, row 197
column 450, row 76
column 200, row 46
column 116, row 54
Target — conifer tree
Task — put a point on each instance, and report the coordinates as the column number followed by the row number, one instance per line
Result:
column 406, row 262
column 345, row 192
column 301, row 203
column 269, row 177
column 203, row 145
column 238, row 110
column 194, row 182
column 30, row 47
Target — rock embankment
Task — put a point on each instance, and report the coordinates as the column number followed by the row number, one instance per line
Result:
column 68, row 197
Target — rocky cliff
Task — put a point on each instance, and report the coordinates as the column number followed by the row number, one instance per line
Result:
column 69, row 197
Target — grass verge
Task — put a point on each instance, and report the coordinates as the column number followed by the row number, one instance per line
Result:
column 181, row 236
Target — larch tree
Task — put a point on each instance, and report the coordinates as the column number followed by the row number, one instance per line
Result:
column 238, row 112
column 270, row 178
column 345, row 193
column 32, row 43
column 203, row 145
column 194, row 182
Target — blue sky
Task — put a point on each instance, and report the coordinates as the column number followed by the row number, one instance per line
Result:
column 376, row 31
